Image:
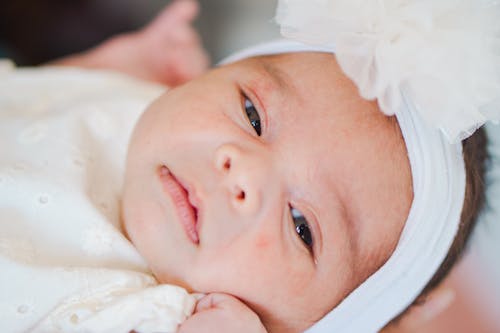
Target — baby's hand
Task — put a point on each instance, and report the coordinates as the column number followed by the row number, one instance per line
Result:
column 168, row 50
column 170, row 47
column 222, row 313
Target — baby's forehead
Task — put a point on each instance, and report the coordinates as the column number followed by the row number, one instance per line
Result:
column 305, row 77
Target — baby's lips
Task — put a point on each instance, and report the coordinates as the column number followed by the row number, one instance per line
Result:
column 186, row 212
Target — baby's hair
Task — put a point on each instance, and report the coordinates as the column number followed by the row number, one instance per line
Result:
column 476, row 159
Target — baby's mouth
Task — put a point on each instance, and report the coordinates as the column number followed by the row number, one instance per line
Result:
column 186, row 211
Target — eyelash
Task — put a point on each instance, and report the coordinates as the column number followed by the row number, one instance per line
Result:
column 302, row 228
column 252, row 115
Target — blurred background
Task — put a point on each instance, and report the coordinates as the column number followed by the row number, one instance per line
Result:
column 35, row 31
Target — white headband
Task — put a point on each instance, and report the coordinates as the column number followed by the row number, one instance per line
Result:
column 437, row 165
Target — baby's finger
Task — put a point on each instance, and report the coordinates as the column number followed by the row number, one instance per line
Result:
column 188, row 9
column 177, row 12
column 216, row 300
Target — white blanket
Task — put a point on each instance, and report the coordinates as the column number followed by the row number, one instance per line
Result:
column 65, row 265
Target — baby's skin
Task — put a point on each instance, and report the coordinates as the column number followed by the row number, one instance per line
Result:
column 271, row 180
column 263, row 184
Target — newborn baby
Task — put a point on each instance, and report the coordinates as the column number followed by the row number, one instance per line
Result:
column 268, row 183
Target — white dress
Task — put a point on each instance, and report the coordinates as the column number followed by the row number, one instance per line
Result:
column 65, row 265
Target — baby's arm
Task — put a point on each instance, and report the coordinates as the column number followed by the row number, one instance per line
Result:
column 222, row 313
column 168, row 50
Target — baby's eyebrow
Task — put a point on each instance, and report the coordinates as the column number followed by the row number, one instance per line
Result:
column 280, row 78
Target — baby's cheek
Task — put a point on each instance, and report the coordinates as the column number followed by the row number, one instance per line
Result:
column 266, row 250
column 266, row 255
column 262, row 242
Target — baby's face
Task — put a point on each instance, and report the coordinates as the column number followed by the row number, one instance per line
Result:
column 269, row 179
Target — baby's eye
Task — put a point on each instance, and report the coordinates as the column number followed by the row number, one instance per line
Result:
column 302, row 227
column 253, row 116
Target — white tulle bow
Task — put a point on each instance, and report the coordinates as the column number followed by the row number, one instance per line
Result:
column 443, row 54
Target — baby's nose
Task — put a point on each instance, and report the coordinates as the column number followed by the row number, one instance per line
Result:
column 241, row 176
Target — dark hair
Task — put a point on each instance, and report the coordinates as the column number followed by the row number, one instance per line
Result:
column 476, row 158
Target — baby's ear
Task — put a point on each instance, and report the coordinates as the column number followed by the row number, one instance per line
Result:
column 428, row 307
column 423, row 310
